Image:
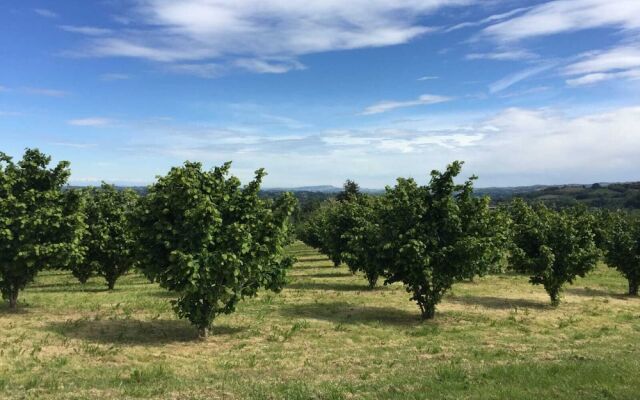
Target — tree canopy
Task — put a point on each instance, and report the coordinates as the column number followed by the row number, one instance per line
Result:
column 212, row 241
column 40, row 225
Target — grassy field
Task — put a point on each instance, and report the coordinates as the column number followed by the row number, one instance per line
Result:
column 327, row 337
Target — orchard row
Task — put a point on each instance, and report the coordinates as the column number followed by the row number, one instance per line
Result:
column 213, row 241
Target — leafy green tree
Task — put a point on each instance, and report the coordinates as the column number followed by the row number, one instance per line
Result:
column 109, row 240
column 435, row 235
column 40, row 225
column 623, row 248
column 363, row 238
column 553, row 247
column 212, row 241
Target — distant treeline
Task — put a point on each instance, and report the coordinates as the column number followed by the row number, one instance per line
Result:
column 608, row 196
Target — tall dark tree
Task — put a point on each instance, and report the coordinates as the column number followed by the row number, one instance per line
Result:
column 350, row 191
column 212, row 241
column 40, row 225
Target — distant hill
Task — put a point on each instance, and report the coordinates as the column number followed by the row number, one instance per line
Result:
column 597, row 195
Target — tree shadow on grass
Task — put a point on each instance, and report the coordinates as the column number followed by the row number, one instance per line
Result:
column 67, row 288
column 590, row 292
column 334, row 274
column 497, row 303
column 134, row 332
column 21, row 309
column 340, row 287
column 346, row 313
column 308, row 266
column 312, row 259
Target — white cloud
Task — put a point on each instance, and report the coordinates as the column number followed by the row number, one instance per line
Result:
column 46, row 92
column 207, row 71
column 590, row 79
column 93, row 121
column 85, row 30
column 114, row 76
column 507, row 55
column 269, row 66
column 489, row 19
column 259, row 30
column 512, row 79
column 385, row 106
column 562, row 16
column 622, row 62
column 428, row 78
column 43, row 12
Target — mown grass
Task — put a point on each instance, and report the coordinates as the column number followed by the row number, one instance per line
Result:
column 326, row 336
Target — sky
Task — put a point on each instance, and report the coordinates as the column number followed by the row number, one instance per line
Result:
column 320, row 91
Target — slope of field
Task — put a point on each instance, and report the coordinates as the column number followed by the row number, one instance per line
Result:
column 327, row 337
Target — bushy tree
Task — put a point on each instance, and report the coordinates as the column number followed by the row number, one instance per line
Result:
column 326, row 228
column 40, row 225
column 109, row 240
column 363, row 238
column 622, row 247
column 435, row 235
column 553, row 247
column 212, row 241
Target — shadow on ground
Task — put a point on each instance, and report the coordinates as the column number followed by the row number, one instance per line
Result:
column 329, row 275
column 497, row 303
column 134, row 332
column 336, row 286
column 346, row 313
column 591, row 292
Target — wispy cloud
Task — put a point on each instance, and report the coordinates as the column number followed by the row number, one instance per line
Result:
column 43, row 12
column 485, row 21
column 92, row 121
column 385, row 106
column 46, row 92
column 512, row 79
column 261, row 35
column 207, row 71
column 86, row 30
column 269, row 66
column 507, row 55
column 561, row 16
column 428, row 78
column 622, row 62
column 114, row 76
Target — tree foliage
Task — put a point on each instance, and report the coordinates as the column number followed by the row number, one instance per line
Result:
column 363, row 238
column 622, row 248
column 212, row 241
column 109, row 240
column 40, row 225
column 435, row 235
column 553, row 247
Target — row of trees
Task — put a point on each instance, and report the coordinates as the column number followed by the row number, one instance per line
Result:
column 429, row 237
column 198, row 233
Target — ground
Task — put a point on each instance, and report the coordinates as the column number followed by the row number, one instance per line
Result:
column 326, row 336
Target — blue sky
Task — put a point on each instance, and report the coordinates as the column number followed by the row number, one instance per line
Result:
column 319, row 91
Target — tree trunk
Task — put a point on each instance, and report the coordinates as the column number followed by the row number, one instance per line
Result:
column 13, row 300
column 555, row 297
column 633, row 287
column 203, row 332
column 428, row 310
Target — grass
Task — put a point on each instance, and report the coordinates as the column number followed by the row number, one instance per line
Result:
column 326, row 336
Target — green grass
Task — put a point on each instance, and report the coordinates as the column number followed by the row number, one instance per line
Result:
column 326, row 336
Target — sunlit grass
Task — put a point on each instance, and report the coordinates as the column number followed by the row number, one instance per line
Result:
column 325, row 336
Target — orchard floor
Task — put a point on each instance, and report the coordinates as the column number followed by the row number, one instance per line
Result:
column 324, row 337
